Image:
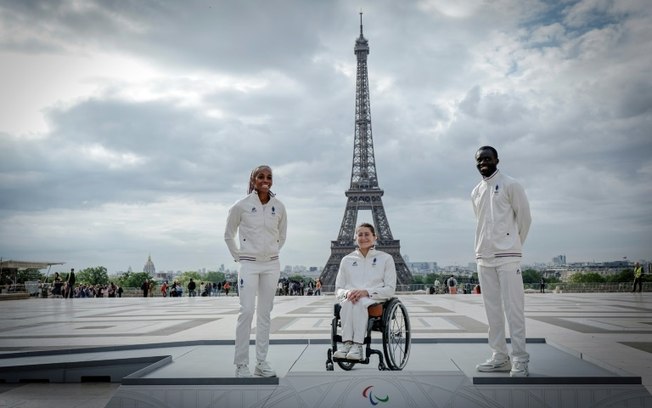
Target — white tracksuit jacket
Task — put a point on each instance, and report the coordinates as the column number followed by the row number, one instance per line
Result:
column 503, row 214
column 261, row 229
column 376, row 273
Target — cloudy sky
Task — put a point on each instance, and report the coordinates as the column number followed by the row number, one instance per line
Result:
column 128, row 128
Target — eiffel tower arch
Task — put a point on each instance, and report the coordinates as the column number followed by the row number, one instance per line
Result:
column 364, row 192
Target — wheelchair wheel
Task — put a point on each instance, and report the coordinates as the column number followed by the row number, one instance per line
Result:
column 346, row 365
column 396, row 335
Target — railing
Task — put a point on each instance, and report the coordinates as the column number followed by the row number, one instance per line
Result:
column 529, row 287
column 591, row 287
column 35, row 289
column 44, row 290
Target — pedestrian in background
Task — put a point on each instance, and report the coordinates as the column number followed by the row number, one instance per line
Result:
column 70, row 284
column 318, row 287
column 145, row 287
column 192, row 286
column 638, row 276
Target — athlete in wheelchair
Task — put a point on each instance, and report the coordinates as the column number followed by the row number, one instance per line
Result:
column 364, row 289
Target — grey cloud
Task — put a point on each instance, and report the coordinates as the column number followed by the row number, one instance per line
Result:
column 571, row 121
column 231, row 36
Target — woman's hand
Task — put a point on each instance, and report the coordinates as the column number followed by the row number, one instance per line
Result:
column 355, row 294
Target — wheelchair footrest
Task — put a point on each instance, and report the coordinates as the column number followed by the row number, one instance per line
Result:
column 365, row 361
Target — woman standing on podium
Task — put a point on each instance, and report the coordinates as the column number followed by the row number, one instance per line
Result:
column 260, row 221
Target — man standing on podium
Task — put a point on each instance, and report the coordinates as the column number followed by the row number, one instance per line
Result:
column 503, row 214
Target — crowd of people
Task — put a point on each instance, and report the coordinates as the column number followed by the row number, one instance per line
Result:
column 68, row 288
column 204, row 289
column 452, row 286
column 287, row 287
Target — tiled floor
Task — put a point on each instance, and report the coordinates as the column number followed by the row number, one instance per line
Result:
column 612, row 330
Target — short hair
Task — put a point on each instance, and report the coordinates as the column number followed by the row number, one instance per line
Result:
column 493, row 150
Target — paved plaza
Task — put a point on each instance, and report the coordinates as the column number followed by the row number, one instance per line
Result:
column 607, row 335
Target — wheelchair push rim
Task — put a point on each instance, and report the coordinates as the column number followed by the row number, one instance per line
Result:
column 396, row 336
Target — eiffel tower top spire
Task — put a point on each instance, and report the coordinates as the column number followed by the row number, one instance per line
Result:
column 361, row 40
column 363, row 172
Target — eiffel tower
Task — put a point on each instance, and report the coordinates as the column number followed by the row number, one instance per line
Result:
column 364, row 193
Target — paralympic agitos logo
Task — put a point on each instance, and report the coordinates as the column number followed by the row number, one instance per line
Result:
column 374, row 399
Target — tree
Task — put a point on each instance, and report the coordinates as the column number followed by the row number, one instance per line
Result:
column 22, row 275
column 589, row 277
column 417, row 279
column 133, row 279
column 531, row 276
column 186, row 276
column 552, row 279
column 93, row 276
column 298, row 278
column 430, row 279
column 214, row 277
column 626, row 275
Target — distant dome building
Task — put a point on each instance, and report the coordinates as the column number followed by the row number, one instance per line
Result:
column 149, row 267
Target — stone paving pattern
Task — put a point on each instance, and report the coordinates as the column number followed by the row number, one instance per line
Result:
column 612, row 330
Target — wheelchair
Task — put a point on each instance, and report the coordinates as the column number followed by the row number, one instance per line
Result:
column 392, row 320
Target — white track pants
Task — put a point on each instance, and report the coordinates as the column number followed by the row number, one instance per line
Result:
column 502, row 293
column 255, row 278
column 354, row 318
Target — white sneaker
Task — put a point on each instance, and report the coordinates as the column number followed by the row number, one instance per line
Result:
column 519, row 369
column 264, row 370
column 494, row 366
column 342, row 349
column 356, row 353
column 242, row 371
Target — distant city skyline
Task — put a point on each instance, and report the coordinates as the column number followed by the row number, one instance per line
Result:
column 223, row 267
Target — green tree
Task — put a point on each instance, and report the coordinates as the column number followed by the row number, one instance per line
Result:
column 298, row 278
column 133, row 279
column 626, row 275
column 588, row 277
column 531, row 276
column 185, row 278
column 93, row 276
column 430, row 279
column 213, row 276
column 552, row 279
column 21, row 276
column 417, row 279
